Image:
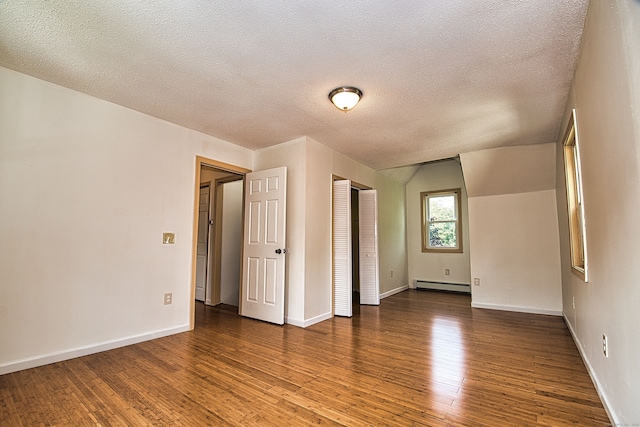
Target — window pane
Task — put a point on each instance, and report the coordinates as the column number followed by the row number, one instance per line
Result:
column 442, row 208
column 443, row 235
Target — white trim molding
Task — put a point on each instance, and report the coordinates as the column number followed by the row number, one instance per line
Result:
column 308, row 322
column 46, row 359
column 394, row 291
column 516, row 308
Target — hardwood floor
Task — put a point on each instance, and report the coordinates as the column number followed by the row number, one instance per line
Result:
column 419, row 359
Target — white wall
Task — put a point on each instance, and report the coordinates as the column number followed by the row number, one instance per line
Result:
column 444, row 175
column 513, row 223
column 606, row 96
column 392, row 234
column 318, row 275
column 86, row 190
column 232, row 223
column 515, row 252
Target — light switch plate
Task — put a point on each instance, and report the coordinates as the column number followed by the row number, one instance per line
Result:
column 168, row 238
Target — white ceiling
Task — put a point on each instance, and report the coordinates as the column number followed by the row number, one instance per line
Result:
column 439, row 77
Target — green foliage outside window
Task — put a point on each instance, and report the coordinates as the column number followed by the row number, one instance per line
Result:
column 442, row 233
column 441, row 222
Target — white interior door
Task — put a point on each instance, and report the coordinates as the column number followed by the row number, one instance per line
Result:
column 342, row 281
column 264, row 245
column 203, row 243
column 369, row 266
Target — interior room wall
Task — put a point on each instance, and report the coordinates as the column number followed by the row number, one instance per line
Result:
column 318, row 275
column 513, row 228
column 392, row 235
column 445, row 175
column 87, row 188
column 515, row 252
column 606, row 96
column 232, row 223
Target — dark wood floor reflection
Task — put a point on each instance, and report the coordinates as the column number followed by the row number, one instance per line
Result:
column 420, row 358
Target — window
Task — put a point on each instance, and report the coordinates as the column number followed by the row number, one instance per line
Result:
column 575, row 201
column 441, row 226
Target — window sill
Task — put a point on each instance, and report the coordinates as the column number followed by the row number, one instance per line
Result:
column 580, row 273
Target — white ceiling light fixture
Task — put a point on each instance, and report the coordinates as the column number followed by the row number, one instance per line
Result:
column 345, row 97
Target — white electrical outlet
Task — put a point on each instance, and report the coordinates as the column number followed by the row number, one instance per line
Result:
column 168, row 298
column 476, row 281
column 391, row 273
column 605, row 345
column 446, row 271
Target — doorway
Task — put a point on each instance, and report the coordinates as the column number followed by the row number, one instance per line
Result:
column 355, row 247
column 226, row 232
column 218, row 200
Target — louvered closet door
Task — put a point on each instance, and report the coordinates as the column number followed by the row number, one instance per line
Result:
column 342, row 248
column 369, row 268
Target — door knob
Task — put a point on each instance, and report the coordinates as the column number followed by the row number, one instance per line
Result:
column 281, row 251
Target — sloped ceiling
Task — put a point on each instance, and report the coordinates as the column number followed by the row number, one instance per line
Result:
column 439, row 77
column 510, row 170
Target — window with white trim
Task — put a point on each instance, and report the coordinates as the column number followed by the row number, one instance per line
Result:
column 441, row 225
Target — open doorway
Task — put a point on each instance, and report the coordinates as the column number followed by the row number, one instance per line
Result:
column 225, row 240
column 218, row 217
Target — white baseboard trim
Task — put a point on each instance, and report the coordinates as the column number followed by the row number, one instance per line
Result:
column 309, row 322
column 394, row 291
column 516, row 308
column 294, row 322
column 325, row 316
column 594, row 379
column 46, row 359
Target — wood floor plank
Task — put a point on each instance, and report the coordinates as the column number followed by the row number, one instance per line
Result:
column 418, row 359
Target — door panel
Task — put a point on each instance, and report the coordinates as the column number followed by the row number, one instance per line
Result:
column 342, row 280
column 369, row 269
column 263, row 267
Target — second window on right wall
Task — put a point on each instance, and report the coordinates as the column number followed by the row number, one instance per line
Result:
column 441, row 225
column 575, row 201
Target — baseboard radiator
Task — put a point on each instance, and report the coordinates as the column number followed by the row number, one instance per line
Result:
column 441, row 286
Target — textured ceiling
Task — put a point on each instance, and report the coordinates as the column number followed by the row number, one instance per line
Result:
column 439, row 77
